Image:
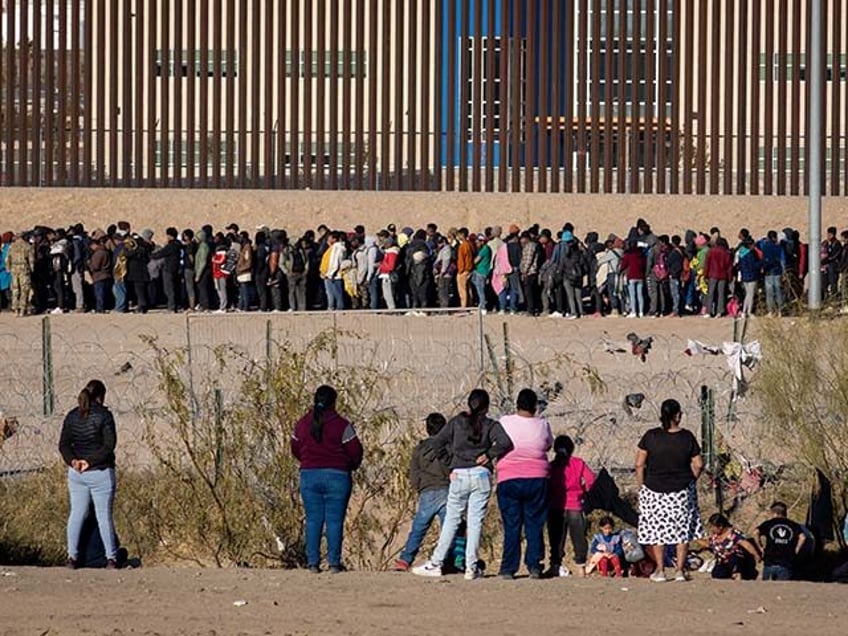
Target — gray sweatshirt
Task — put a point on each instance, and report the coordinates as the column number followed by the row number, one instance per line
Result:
column 455, row 438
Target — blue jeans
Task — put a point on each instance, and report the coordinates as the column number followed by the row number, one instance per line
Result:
column 97, row 486
column 431, row 504
column 374, row 292
column 119, row 289
column 774, row 294
column 469, row 492
column 325, row 493
column 244, row 297
column 100, row 289
column 637, row 296
column 776, row 573
column 674, row 286
column 479, row 282
column 523, row 503
column 335, row 293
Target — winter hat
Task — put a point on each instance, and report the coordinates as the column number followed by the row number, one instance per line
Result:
column 147, row 234
column 98, row 234
column 408, row 231
column 566, row 236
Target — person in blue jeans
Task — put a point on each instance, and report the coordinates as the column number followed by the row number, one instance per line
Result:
column 328, row 450
column 429, row 474
column 782, row 541
column 87, row 444
column 474, row 441
column 523, row 486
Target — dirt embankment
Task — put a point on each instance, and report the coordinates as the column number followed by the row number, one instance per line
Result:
column 186, row 601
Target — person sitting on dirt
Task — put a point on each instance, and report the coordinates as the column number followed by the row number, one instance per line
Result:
column 735, row 555
column 429, row 474
column 606, row 549
column 782, row 541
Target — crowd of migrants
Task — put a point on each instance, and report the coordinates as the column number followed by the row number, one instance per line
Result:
column 536, row 271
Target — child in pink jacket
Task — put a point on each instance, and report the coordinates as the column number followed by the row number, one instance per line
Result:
column 569, row 481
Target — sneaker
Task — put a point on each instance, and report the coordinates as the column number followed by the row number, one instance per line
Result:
column 556, row 314
column 314, row 569
column 71, row 564
column 506, row 576
column 535, row 574
column 658, row 577
column 428, row 569
column 473, row 573
column 681, row 577
column 57, row 311
column 111, row 564
column 632, row 314
column 563, row 571
column 337, row 569
column 401, row 566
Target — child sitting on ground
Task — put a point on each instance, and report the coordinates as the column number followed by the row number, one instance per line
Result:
column 606, row 549
column 735, row 556
column 429, row 474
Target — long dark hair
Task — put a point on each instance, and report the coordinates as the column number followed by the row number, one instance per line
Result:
column 478, row 404
column 668, row 411
column 564, row 449
column 94, row 391
column 325, row 400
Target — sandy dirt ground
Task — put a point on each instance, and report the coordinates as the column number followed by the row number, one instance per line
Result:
column 184, row 601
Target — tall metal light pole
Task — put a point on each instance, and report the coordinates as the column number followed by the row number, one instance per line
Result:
column 814, row 137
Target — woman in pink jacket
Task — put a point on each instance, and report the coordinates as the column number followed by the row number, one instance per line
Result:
column 570, row 480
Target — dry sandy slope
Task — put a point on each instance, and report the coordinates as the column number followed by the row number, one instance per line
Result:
column 186, row 601
column 300, row 210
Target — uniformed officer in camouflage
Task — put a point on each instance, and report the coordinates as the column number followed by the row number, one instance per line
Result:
column 20, row 260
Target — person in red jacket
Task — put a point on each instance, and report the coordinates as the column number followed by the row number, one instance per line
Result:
column 633, row 265
column 328, row 450
column 718, row 269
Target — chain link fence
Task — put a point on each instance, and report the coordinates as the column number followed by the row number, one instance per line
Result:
column 584, row 371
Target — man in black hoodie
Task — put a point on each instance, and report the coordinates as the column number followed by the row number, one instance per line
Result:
column 170, row 254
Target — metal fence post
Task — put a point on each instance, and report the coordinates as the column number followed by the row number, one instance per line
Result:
column 481, row 341
column 47, row 388
column 192, row 396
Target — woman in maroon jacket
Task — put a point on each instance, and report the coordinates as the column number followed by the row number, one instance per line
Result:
column 718, row 270
column 633, row 264
column 328, row 450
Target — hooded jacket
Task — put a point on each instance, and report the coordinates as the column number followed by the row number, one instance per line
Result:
column 201, row 256
column 429, row 468
column 455, row 438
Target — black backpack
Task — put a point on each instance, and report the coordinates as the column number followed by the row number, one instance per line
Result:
column 298, row 265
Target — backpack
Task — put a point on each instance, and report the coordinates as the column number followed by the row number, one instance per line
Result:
column 660, row 268
column 298, row 263
column 633, row 551
column 572, row 266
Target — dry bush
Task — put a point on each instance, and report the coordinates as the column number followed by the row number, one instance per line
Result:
column 33, row 515
column 802, row 386
column 223, row 485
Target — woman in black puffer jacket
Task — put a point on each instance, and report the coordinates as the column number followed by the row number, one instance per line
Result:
column 87, row 445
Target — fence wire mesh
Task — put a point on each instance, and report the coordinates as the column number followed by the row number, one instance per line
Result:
column 583, row 370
